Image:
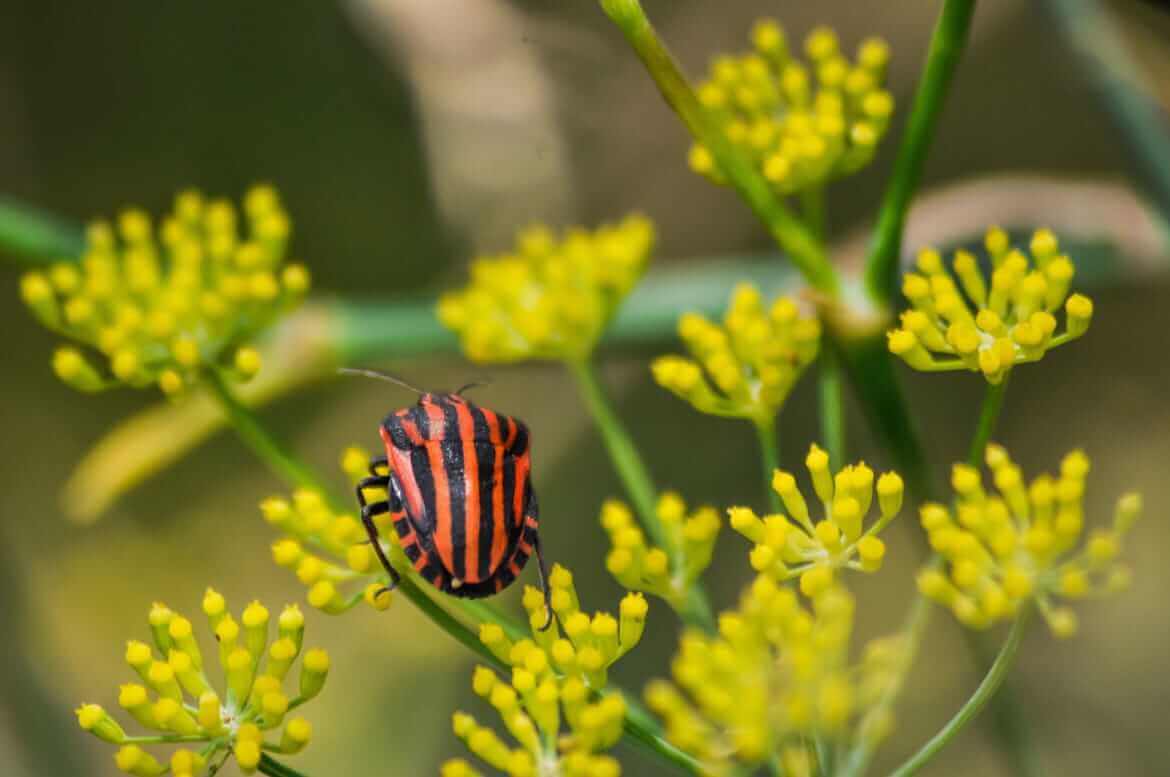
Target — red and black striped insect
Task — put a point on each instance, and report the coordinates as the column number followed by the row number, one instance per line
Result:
column 460, row 494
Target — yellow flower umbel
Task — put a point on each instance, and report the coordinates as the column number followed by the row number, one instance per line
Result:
column 803, row 123
column 794, row 546
column 989, row 327
column 328, row 551
column 746, row 367
column 163, row 302
column 554, row 679
column 1022, row 543
column 552, row 296
column 776, row 678
column 691, row 539
column 176, row 701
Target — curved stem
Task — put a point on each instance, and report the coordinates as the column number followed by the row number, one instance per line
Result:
column 912, row 632
column 635, row 477
column 620, row 446
column 982, row 695
column 639, row 725
column 988, row 418
column 267, row 447
column 770, row 456
column 802, row 247
column 942, row 60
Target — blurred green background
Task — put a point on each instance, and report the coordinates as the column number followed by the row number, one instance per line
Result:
column 405, row 135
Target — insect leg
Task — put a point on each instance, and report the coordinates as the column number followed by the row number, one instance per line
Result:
column 369, row 510
column 543, row 573
column 378, row 461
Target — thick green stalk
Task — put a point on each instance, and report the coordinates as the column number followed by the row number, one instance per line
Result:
column 942, row 60
column 801, row 245
column 770, row 456
column 274, row 768
column 639, row 725
column 635, row 477
column 982, row 695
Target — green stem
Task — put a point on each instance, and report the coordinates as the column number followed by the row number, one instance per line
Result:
column 804, row 249
column 639, row 725
column 274, row 768
column 942, row 60
column 982, row 695
column 635, row 478
column 830, row 394
column 1007, row 721
column 626, row 459
column 988, row 418
column 36, row 237
column 267, row 447
column 770, row 456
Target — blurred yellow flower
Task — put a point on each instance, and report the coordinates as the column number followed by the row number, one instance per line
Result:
column 989, row 328
column 795, row 546
column 803, row 123
column 1019, row 544
column 328, row 551
column 746, row 367
column 691, row 542
column 554, row 676
column 776, row 677
column 176, row 700
column 552, row 296
column 162, row 303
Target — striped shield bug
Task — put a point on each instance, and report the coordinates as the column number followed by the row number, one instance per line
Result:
column 459, row 486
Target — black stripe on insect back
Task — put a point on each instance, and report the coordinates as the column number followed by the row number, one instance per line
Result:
column 520, row 445
column 452, row 448
column 485, row 454
column 420, row 466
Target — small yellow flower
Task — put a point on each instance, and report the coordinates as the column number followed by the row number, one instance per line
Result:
column 746, row 367
column 550, row 297
column 987, row 327
column 328, row 551
column 793, row 546
column 175, row 699
column 1022, row 542
column 162, row 302
column 804, row 123
column 775, row 677
column 639, row 567
column 555, row 677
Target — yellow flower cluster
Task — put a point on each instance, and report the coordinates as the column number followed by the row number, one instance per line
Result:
column 776, row 677
column 329, row 552
column 793, row 546
column 746, row 367
column 989, row 328
column 691, row 541
column 175, row 697
column 552, row 296
column 804, row 124
column 160, row 304
column 1019, row 544
column 554, row 678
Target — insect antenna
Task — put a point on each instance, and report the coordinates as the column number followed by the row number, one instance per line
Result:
column 473, row 384
column 380, row 376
